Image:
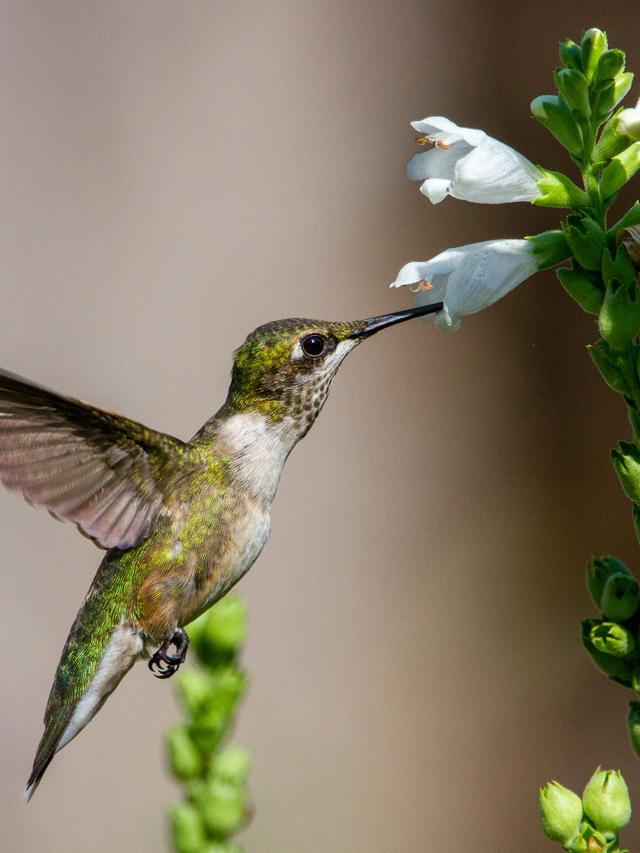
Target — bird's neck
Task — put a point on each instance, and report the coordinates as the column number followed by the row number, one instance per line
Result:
column 256, row 447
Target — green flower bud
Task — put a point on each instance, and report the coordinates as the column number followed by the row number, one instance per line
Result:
column 629, row 123
column 618, row 669
column 552, row 113
column 603, row 100
column 606, row 801
column 633, row 720
column 224, row 630
column 620, row 170
column 184, row 758
column 622, row 85
column 594, row 44
column 223, row 807
column 215, row 712
column 610, row 64
column 612, row 639
column 620, row 597
column 599, row 570
column 611, row 142
column 586, row 240
column 626, row 461
column 557, row 190
column 609, row 363
column 232, row 765
column 560, row 812
column 194, row 687
column 187, row 829
column 570, row 54
column 574, row 90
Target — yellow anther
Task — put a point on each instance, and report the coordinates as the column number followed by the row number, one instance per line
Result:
column 420, row 286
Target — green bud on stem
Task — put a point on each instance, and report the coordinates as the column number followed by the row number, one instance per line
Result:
column 612, row 639
column 606, row 801
column 187, row 829
column 619, row 669
column 610, row 64
column 620, row 598
column 626, row 461
column 555, row 115
column 633, row 720
column 223, row 807
column 224, row 630
column 620, row 170
column 184, row 757
column 599, row 570
column 574, row 90
column 232, row 765
column 594, row 44
column 560, row 812
column 570, row 54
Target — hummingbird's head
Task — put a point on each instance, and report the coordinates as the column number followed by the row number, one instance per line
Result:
column 284, row 369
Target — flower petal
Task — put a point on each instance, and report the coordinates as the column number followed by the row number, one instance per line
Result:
column 493, row 173
column 490, row 274
column 447, row 131
column 436, row 189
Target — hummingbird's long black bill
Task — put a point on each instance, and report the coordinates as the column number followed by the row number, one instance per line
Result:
column 376, row 323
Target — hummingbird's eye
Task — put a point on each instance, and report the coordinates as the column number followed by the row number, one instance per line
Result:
column 313, row 345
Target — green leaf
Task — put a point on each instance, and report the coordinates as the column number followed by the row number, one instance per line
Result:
column 611, row 367
column 620, row 170
column 549, row 248
column 586, row 240
column 557, row 190
column 584, row 287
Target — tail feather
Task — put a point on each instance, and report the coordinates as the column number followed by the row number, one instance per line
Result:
column 67, row 715
column 47, row 748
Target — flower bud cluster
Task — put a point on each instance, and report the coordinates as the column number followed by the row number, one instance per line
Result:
column 589, row 824
column 591, row 83
column 215, row 806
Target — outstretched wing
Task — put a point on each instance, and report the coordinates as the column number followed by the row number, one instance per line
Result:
column 86, row 465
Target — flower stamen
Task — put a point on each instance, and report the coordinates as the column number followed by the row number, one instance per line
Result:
column 420, row 286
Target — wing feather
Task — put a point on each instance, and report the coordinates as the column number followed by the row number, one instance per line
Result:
column 105, row 473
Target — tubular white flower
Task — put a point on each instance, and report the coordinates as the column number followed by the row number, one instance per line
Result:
column 470, row 165
column 468, row 278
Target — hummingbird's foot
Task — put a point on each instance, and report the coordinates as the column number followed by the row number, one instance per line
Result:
column 164, row 665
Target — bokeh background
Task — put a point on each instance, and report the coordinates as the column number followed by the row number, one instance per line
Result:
column 174, row 174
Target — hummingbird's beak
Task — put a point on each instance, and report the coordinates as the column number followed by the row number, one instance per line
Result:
column 374, row 325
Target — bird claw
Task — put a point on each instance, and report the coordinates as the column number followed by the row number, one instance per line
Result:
column 164, row 665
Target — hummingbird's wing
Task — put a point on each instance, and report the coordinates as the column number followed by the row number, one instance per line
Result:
column 99, row 470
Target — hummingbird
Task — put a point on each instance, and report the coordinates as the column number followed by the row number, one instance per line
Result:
column 181, row 521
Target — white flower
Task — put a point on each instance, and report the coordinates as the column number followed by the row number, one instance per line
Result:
column 469, row 278
column 470, row 165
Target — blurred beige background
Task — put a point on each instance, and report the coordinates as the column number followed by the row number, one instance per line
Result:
column 174, row 174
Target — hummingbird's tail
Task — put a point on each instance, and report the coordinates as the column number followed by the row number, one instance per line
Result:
column 100, row 650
